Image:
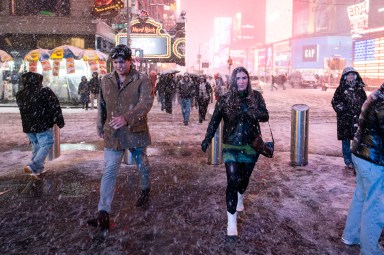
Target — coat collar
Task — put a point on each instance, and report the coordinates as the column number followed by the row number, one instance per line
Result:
column 132, row 76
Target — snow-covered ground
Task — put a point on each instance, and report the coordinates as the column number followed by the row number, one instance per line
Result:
column 289, row 210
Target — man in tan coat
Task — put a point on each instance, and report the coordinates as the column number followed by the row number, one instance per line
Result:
column 124, row 101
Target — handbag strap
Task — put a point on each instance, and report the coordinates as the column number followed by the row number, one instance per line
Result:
column 273, row 140
column 270, row 130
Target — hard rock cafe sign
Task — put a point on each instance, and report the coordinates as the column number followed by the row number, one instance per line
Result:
column 157, row 45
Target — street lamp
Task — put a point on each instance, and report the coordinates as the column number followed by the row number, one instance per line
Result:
column 199, row 56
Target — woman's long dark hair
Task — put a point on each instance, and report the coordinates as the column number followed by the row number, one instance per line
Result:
column 233, row 82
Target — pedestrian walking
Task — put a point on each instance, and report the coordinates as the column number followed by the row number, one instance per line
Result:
column 365, row 218
column 186, row 90
column 40, row 110
column 203, row 96
column 347, row 101
column 83, row 91
column 160, row 91
column 169, row 91
column 219, row 86
column 94, row 86
column 153, row 78
column 125, row 100
column 273, row 82
column 241, row 109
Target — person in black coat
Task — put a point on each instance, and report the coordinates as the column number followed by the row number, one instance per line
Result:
column 83, row 91
column 94, row 87
column 365, row 217
column 40, row 110
column 347, row 101
column 242, row 109
column 203, row 96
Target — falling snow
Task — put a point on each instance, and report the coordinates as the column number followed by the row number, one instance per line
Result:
column 288, row 210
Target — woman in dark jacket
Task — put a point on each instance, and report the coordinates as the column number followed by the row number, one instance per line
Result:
column 241, row 109
column 347, row 101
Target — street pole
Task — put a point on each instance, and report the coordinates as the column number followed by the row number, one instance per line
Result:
column 129, row 11
column 199, row 59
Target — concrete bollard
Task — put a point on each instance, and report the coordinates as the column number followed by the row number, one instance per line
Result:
column 55, row 150
column 215, row 155
column 299, row 135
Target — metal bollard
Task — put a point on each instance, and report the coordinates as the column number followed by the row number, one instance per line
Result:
column 299, row 135
column 128, row 158
column 215, row 155
column 55, row 150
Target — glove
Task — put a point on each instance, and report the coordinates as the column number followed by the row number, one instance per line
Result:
column 204, row 145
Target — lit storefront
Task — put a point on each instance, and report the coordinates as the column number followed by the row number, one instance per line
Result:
column 321, row 55
column 367, row 27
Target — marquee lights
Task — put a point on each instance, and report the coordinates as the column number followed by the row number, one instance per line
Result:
column 110, row 5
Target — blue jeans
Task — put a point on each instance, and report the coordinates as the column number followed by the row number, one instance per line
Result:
column 347, row 155
column 112, row 162
column 41, row 144
column 366, row 214
column 186, row 104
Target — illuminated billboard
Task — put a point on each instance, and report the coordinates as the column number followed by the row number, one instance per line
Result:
column 320, row 17
column 222, row 35
column 368, row 57
column 376, row 13
column 279, row 20
column 155, row 44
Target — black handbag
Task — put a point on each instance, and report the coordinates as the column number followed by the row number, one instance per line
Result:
column 264, row 148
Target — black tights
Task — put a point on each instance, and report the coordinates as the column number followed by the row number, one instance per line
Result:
column 237, row 181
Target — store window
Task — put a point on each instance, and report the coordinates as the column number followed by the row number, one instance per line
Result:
column 40, row 7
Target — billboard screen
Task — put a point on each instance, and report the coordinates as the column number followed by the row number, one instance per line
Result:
column 376, row 14
column 279, row 20
column 320, row 17
column 368, row 57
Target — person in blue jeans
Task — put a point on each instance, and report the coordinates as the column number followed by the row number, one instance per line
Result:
column 40, row 110
column 365, row 218
column 186, row 91
column 347, row 101
column 125, row 98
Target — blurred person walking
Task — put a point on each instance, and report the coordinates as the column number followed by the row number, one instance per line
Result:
column 211, row 82
column 125, row 100
column 169, row 91
column 94, row 87
column 83, row 91
column 186, row 89
column 160, row 91
column 366, row 214
column 203, row 96
column 219, row 86
column 40, row 110
column 347, row 101
column 273, row 82
column 241, row 109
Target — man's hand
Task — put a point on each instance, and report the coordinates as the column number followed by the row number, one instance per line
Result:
column 118, row 122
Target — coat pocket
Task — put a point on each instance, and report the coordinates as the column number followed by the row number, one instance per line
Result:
column 139, row 128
